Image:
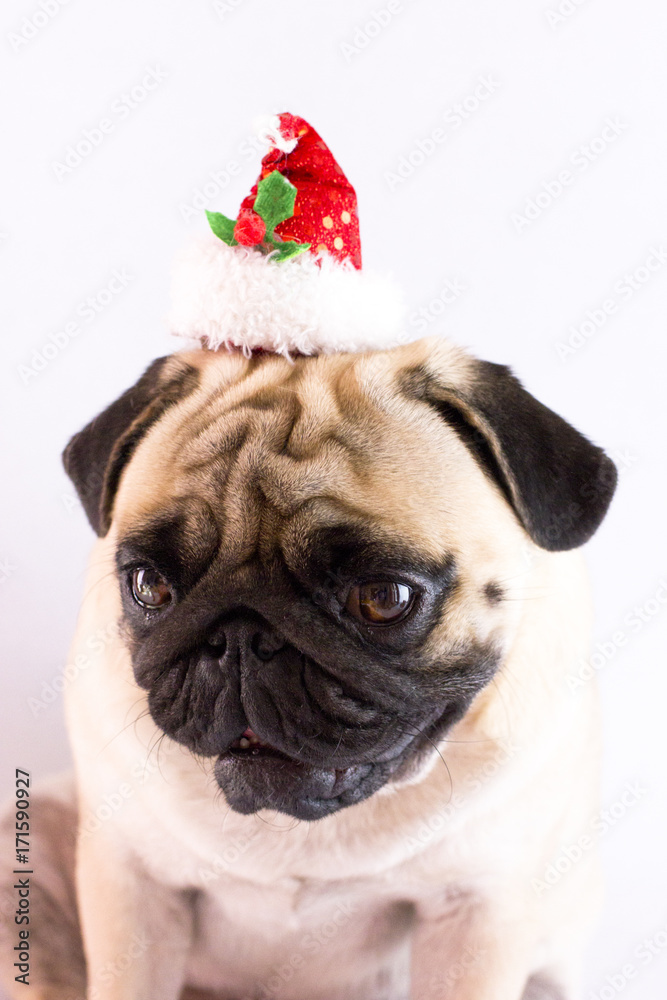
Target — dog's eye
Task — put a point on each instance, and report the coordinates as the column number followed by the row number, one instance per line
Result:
column 380, row 603
column 150, row 589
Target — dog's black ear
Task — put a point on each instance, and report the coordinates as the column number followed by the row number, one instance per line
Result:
column 559, row 484
column 95, row 457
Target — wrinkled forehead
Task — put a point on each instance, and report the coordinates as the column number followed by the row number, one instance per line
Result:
column 278, row 448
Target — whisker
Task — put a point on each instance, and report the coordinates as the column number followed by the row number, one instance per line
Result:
column 132, row 722
column 420, row 732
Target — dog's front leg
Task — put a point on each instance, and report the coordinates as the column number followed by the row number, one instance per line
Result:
column 474, row 954
column 136, row 932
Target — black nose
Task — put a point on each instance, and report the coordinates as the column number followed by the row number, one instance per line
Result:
column 263, row 642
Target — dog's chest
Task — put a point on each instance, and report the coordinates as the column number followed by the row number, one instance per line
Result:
column 301, row 937
column 281, row 904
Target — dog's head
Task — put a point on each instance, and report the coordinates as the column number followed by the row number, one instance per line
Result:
column 312, row 556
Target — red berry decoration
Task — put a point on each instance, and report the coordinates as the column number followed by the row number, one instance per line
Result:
column 250, row 228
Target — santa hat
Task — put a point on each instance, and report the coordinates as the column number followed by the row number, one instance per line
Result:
column 285, row 276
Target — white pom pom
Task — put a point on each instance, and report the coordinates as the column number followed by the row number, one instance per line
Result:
column 267, row 128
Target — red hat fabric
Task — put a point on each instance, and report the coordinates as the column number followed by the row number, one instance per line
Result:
column 325, row 210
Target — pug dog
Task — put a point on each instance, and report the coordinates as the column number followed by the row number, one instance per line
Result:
column 324, row 745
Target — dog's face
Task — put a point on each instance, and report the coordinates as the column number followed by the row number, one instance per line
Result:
column 313, row 556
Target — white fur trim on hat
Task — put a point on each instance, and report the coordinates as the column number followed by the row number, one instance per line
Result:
column 239, row 298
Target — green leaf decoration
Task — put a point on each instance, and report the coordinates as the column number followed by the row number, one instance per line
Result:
column 275, row 200
column 274, row 203
column 288, row 249
column 222, row 227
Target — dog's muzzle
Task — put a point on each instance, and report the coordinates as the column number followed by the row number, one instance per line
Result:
column 293, row 732
column 288, row 733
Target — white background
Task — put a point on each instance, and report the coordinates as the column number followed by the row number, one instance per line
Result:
column 375, row 93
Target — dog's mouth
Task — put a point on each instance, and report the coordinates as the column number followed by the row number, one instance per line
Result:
column 255, row 775
column 249, row 745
